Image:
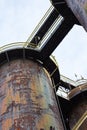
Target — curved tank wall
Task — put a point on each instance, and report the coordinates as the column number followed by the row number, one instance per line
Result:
column 78, row 113
column 27, row 100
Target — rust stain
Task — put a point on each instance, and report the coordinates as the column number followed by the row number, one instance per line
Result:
column 79, row 8
column 78, row 109
column 27, row 100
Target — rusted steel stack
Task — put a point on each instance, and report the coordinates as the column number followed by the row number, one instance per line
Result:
column 79, row 8
column 27, row 99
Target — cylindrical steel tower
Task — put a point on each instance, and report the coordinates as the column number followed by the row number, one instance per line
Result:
column 27, row 99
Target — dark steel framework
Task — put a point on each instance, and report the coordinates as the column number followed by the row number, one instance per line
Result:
column 60, row 8
column 43, row 55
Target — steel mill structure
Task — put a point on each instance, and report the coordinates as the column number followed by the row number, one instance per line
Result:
column 33, row 94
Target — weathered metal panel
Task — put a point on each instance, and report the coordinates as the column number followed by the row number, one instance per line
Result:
column 78, row 114
column 79, row 8
column 27, row 100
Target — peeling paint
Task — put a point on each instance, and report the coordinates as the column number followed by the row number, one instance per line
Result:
column 27, row 100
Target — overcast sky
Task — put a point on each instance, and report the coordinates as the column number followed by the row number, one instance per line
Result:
column 18, row 19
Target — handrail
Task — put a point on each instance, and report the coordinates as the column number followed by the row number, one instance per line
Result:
column 12, row 45
column 19, row 44
column 81, row 120
column 40, row 24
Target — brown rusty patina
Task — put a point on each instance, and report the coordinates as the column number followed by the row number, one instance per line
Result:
column 27, row 100
column 79, row 8
column 79, row 107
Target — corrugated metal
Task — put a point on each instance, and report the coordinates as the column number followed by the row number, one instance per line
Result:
column 27, row 100
column 79, row 8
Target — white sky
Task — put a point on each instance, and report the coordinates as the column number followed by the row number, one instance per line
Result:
column 18, row 19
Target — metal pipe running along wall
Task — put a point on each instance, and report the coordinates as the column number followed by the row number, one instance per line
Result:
column 27, row 100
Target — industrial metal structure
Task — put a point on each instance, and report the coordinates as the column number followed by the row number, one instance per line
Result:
column 33, row 94
column 27, row 98
column 27, row 94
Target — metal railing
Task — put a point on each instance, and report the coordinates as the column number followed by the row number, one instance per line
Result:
column 16, row 45
column 81, row 120
column 12, row 46
column 40, row 24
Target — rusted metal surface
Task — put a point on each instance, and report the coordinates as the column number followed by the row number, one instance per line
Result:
column 79, row 8
column 77, row 90
column 81, row 123
column 78, row 114
column 27, row 100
